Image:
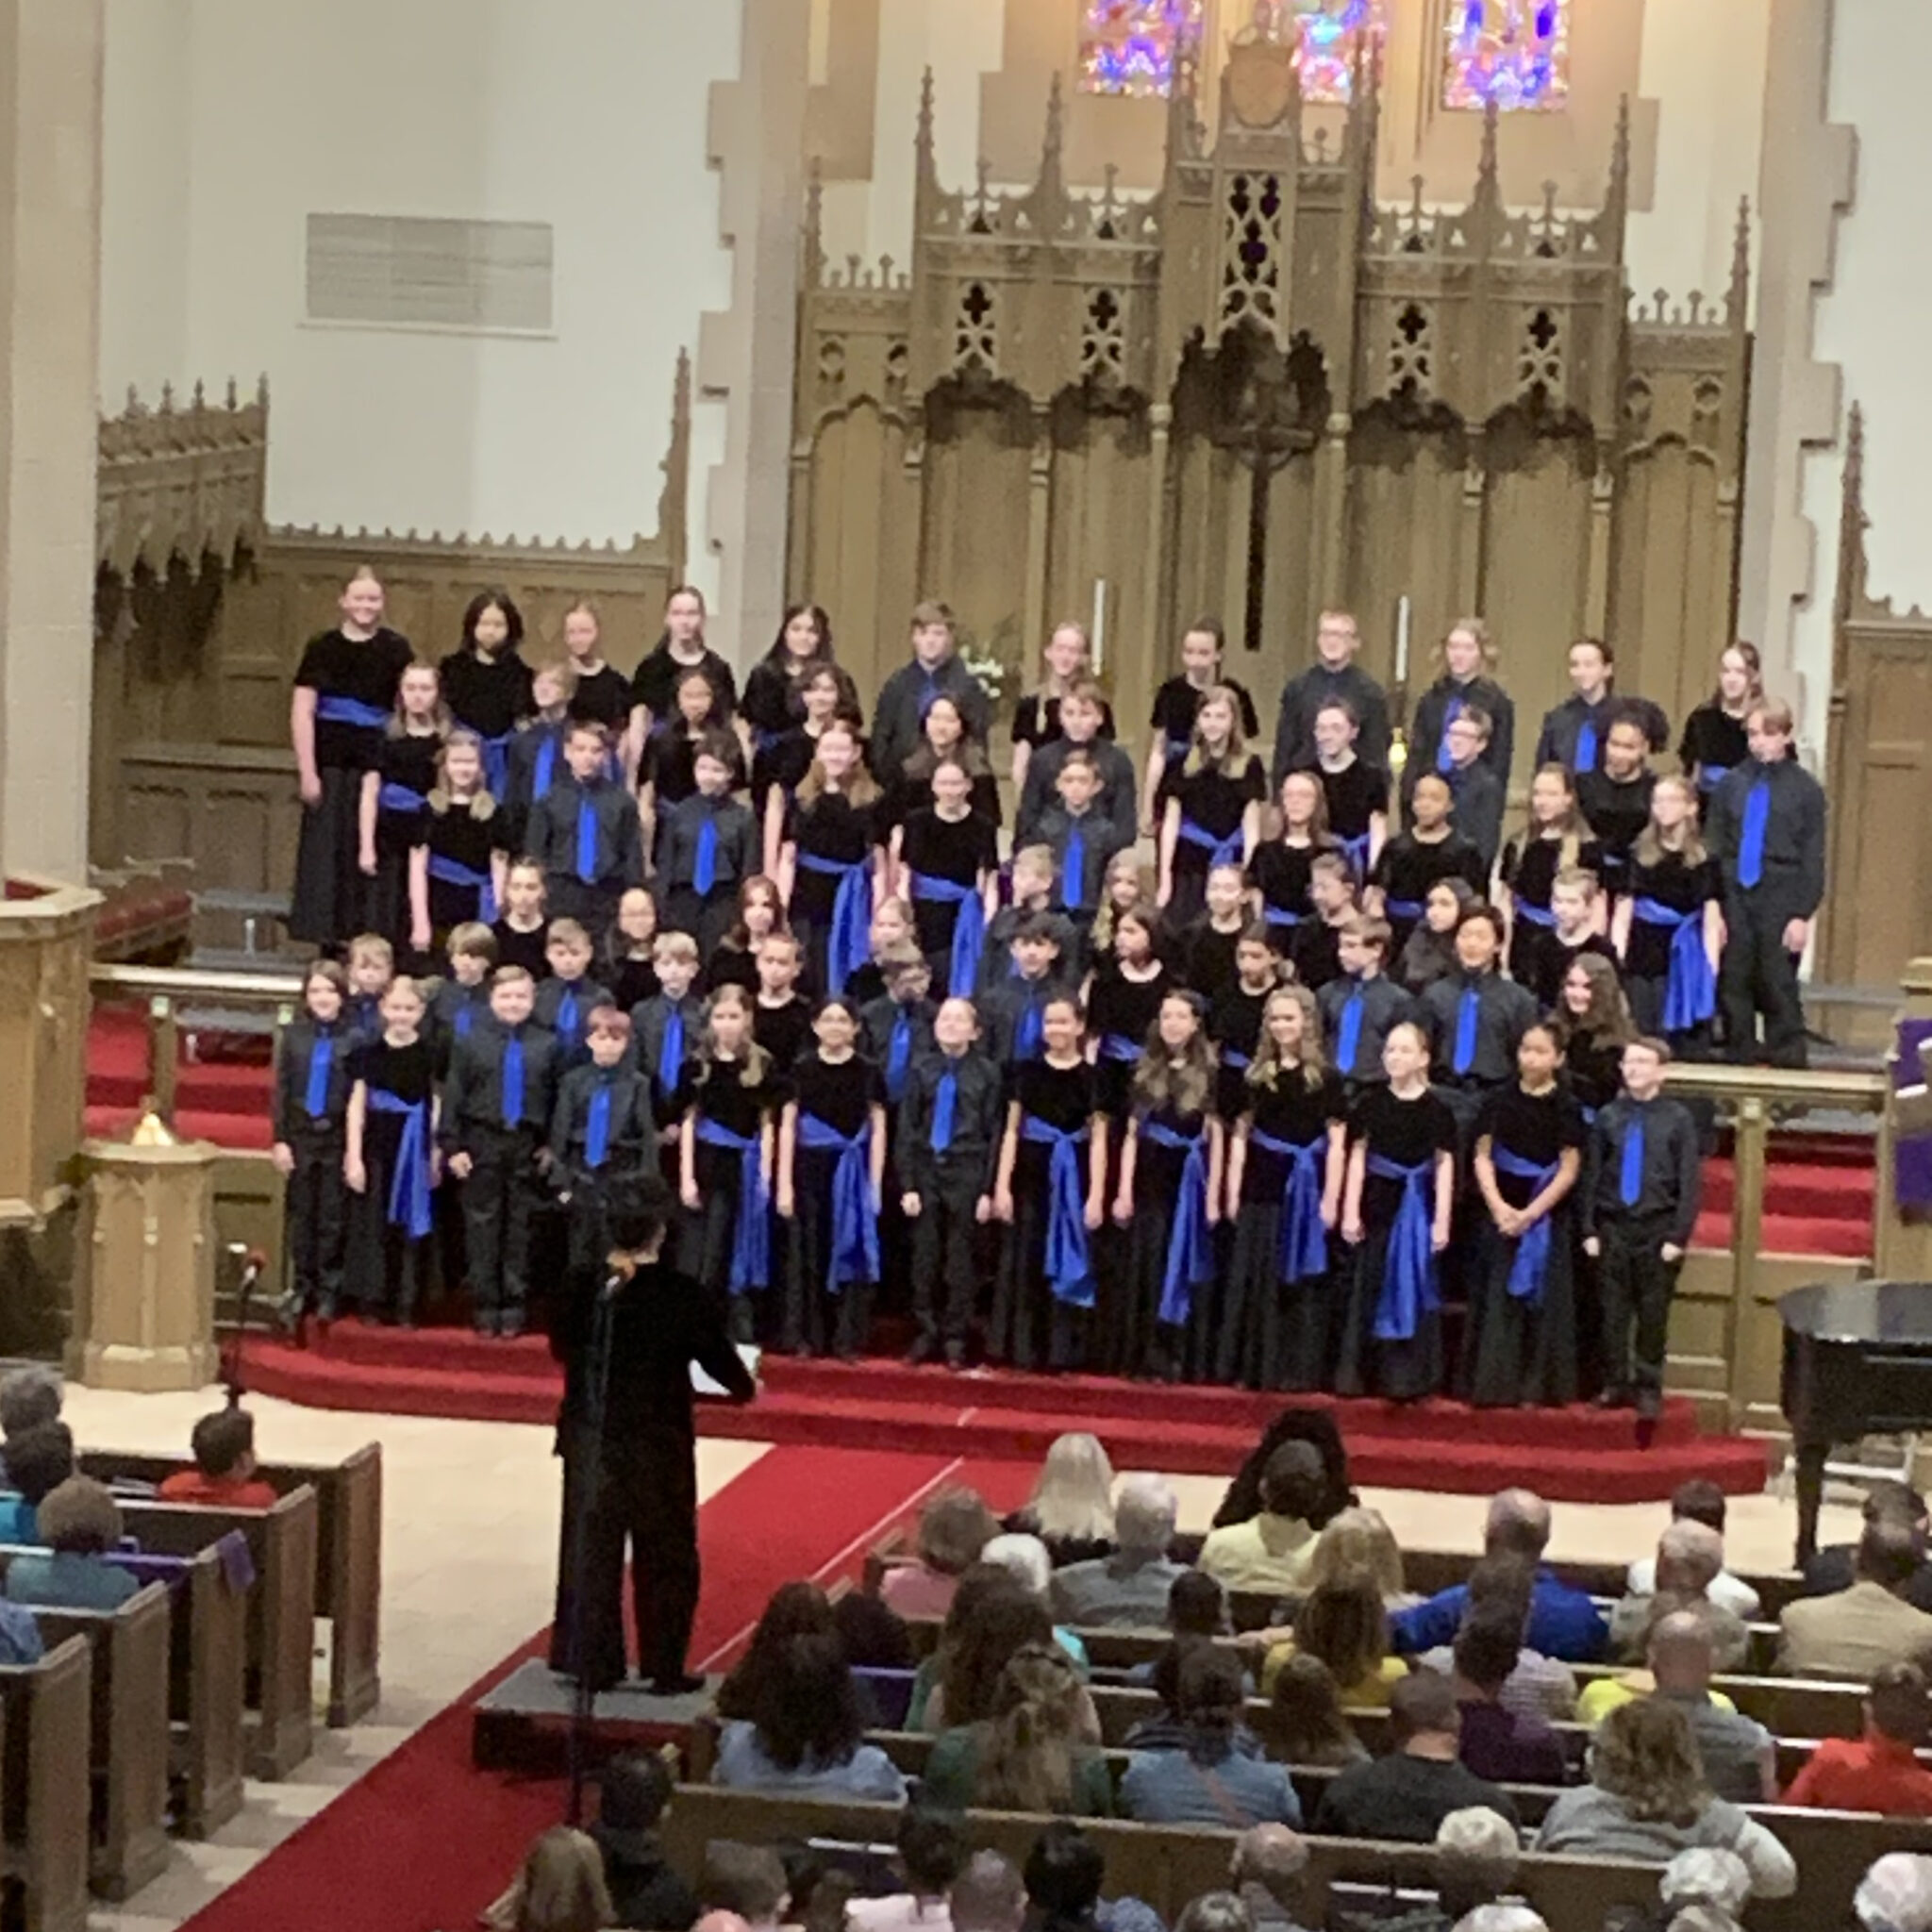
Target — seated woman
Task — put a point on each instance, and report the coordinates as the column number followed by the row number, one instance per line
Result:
column 39, row 1459
column 1026, row 1560
column 80, row 1524
column 1345, row 1624
column 991, row 1617
column 805, row 1735
column 1036, row 1751
column 1647, row 1799
column 1306, row 1721
column 1071, row 1510
column 953, row 1529
column 1166, row 1730
column 1359, row 1539
column 1242, row 1502
column 1205, row 1779
column 558, row 1887
column 793, row 1610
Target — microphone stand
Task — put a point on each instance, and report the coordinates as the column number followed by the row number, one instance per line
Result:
column 587, row 1450
column 252, row 1264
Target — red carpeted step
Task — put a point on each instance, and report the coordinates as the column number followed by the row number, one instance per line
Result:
column 1826, row 1191
column 1784, row 1234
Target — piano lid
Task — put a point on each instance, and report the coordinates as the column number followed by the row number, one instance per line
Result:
column 1896, row 1313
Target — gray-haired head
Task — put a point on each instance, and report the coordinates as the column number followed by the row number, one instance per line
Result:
column 1276, row 1858
column 1215, row 1911
column 1706, row 1875
column 1478, row 1852
column 29, row 1397
column 1502, row 1918
column 1022, row 1557
column 1144, row 1513
column 1895, row 1894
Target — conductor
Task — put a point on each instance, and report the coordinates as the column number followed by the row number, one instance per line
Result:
column 636, row 1476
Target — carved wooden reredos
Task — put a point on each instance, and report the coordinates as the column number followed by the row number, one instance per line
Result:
column 1257, row 393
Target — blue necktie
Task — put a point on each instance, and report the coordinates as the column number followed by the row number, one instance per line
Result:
column 1026, row 1041
column 466, row 1015
column 1630, row 1180
column 1585, row 746
column 315, row 1099
column 1468, row 1011
column 928, row 691
column 1450, row 714
column 512, row 1082
column 1750, row 846
column 1348, row 1037
column 898, row 1057
column 567, row 1017
column 586, row 840
column 671, row 1051
column 945, row 1098
column 1073, row 869
column 545, row 771
column 597, row 1129
column 704, row 868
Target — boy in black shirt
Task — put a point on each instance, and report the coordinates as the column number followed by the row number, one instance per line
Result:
column 780, row 1019
column 584, row 833
column 602, row 1130
column 565, row 1001
column 1016, row 1008
column 898, row 1026
column 463, row 998
column 1358, row 1008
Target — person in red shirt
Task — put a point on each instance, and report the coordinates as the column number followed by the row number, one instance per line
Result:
column 1879, row 1771
column 223, row 1473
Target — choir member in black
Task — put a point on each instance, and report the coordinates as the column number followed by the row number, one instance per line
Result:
column 584, row 834
column 345, row 694
column 390, row 1160
column 760, row 913
column 1178, row 704
column 1430, row 954
column 1206, row 946
column 947, row 856
column 1593, row 1028
column 602, row 1132
column 1359, row 1010
column 897, row 1023
column 1477, row 1019
column 1615, row 799
column 1576, row 905
column 1669, row 927
column 567, row 999
column 536, row 762
column 1638, row 1206
column 707, row 845
column 1356, row 791
column 1476, row 794
column 1168, row 1198
column 1521, row 1342
column 1213, row 810
column 1397, row 1201
column 628, row 964
column 1412, row 862
column 1083, row 713
column 1316, row 951
column 395, row 790
column 780, row 1014
column 1766, row 829
column 496, row 1104
column 775, row 689
column 523, row 932
column 1130, row 984
column 486, row 684
column 310, row 1122
column 936, row 670
column 1333, row 678
column 1082, row 839
column 1285, row 1167
column 459, row 863
column 1715, row 740
column 1048, row 1197
column 1554, row 839
column 642, row 1472
column 831, row 868
column 372, row 964
column 462, row 1000
column 1235, row 1016
column 667, row 771
column 729, row 1141
column 1468, row 658
column 1574, row 732
column 668, row 1027
column 654, row 686
column 831, row 1171
column 950, row 1122
column 778, row 771
column 1279, row 867
column 942, row 736
column 1128, row 888
column 1067, row 661
column 598, row 691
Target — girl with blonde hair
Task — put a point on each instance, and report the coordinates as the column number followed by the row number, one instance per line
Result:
column 1067, row 659
column 1555, row 838
column 1034, row 1754
column 1212, row 815
column 1669, row 926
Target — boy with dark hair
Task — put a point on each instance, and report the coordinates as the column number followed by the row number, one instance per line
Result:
column 1081, row 837
column 1359, row 1009
column 1033, row 891
column 1082, row 713
column 603, row 1128
column 1476, row 1018
column 707, row 845
column 1016, row 1006
column 936, row 670
column 646, row 1893
column 898, row 1026
column 224, row 1474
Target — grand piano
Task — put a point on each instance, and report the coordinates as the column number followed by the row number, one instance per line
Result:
column 1857, row 1361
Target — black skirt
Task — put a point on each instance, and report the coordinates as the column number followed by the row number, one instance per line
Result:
column 1273, row 1333
column 1402, row 1371
column 1520, row 1349
column 330, row 895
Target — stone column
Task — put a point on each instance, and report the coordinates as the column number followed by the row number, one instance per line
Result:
column 50, row 274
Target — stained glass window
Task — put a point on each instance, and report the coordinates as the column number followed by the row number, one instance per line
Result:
column 1514, row 52
column 1329, row 34
column 1129, row 46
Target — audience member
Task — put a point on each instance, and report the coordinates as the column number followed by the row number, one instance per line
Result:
column 1026, row 1560
column 1269, row 1871
column 1689, row 1559
column 1072, row 1508
column 1853, row 1633
column 1895, row 1894
column 1034, row 1752
column 224, row 1474
column 1131, row 1588
column 1498, row 1744
column 1704, row 1879
column 1359, row 1539
column 1879, row 1771
column 645, row 1893
column 1647, row 1798
column 932, row 1855
column 1473, row 1863
column 874, row 1637
column 748, row 1881
column 1342, row 1622
column 793, row 1610
column 1307, row 1723
column 954, row 1526
column 1563, row 1623
column 30, row 1398
column 39, row 1459
column 1503, row 1918
column 80, row 1524
column 1700, row 1500
column 988, row 1896
column 1204, row 1778
column 1316, row 1426
column 1406, row 1794
column 991, row 1617
column 1831, row 1569
column 1539, row 1686
column 805, row 1731
column 1064, row 1873
column 1739, row 1755
column 1215, row 1911
column 558, row 1887
column 1271, row 1552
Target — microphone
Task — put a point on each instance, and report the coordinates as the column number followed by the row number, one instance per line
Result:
column 613, row 1284
column 253, row 1265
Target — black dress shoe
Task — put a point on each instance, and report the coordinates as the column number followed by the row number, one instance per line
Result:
column 680, row 1685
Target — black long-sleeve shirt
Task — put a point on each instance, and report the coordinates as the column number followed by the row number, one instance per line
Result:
column 1505, row 1012
column 550, row 833
column 897, row 718
column 1294, row 730
column 1794, row 833
column 682, row 827
column 1117, row 798
column 1475, row 809
column 1432, row 721
column 292, row 1062
column 1384, row 1004
column 978, row 1117
column 1671, row 1168
column 473, row 1091
column 633, row 1143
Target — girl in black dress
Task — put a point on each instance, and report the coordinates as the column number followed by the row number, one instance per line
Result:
column 944, row 736
column 1126, row 886
column 945, row 858
column 390, row 1163
column 1067, row 660
column 667, row 771
column 831, row 868
column 1168, row 1198
column 778, row 771
column 601, row 693
column 1049, row 1198
column 1358, row 793
column 734, row 960
column 1714, row 736
column 1397, row 1202
column 628, row 970
column 1286, row 1164
column 1593, row 1027
column 1411, row 864
column 1669, row 927
column 1177, row 705
column 774, row 698
column 1520, row 1344
column 1615, row 799
column 831, row 1178
column 1205, row 950
column 1234, row 1015
column 1278, row 868
column 459, row 866
column 1213, row 810
column 486, row 684
column 394, row 791
column 1430, row 954
column 1554, row 839
column 1128, row 987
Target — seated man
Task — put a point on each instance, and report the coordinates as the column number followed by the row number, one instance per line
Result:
column 1739, row 1755
column 37, row 1460
column 1689, row 1559
column 1563, row 1623
column 1879, row 1771
column 932, row 1853
column 29, row 1399
column 1539, row 1686
column 1270, row 1873
column 223, row 1473
column 1203, row 1776
column 1700, row 1501
column 1129, row 1589
column 1856, row 1632
column 80, row 1524
column 988, row 1896
column 1497, row 1743
column 1831, row 1569
column 1270, row 1554
column 1406, row 1794
column 645, row 1893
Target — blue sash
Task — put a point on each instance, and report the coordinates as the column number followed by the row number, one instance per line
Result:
column 1280, row 915
column 1304, row 1240
column 1123, row 1048
column 1235, row 1060
column 1537, row 915
column 1177, row 748
column 1710, row 776
column 398, row 798
column 1531, row 1266
column 1407, row 1290
column 1189, row 1249
column 1225, row 851
column 340, row 710
column 1691, row 991
column 751, row 1233
column 1069, row 1267
column 408, row 1206
column 848, row 939
column 1357, row 850
column 855, row 1254
column 497, row 762
column 1403, row 909
column 969, row 929
column 481, row 883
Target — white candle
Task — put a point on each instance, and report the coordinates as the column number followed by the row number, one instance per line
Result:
column 1402, row 639
column 1099, row 639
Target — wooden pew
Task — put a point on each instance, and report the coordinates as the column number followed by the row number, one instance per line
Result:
column 348, row 1556
column 44, row 1729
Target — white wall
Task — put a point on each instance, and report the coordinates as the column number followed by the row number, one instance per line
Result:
column 587, row 114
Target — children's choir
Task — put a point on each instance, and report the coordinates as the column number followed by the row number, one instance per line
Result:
column 1343, row 1057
